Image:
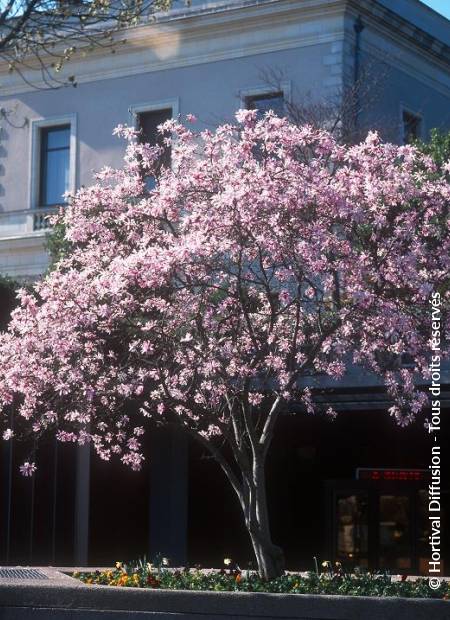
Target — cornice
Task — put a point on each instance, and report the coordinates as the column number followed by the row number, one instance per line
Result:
column 390, row 26
column 217, row 32
column 229, row 19
column 404, row 31
column 200, row 26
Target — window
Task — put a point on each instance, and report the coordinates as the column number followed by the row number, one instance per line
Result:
column 54, row 173
column 148, row 123
column 266, row 101
column 53, row 166
column 412, row 127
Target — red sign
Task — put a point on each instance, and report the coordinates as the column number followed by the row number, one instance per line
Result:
column 385, row 473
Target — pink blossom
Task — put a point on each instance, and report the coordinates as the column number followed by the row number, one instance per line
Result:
column 266, row 257
column 255, row 399
column 27, row 469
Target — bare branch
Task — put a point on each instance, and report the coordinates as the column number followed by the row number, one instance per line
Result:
column 41, row 36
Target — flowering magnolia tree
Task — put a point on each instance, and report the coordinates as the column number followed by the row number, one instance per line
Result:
column 265, row 254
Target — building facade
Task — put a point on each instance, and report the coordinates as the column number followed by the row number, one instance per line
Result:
column 210, row 60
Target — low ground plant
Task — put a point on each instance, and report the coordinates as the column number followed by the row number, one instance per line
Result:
column 332, row 580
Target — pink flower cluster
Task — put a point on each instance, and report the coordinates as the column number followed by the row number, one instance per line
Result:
column 266, row 253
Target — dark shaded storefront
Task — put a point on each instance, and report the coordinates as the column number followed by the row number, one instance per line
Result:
column 319, row 507
column 82, row 510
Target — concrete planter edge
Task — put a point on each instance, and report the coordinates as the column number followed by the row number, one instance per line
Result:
column 63, row 593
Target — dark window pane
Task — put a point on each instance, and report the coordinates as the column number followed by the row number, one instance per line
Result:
column 352, row 529
column 148, row 124
column 54, row 165
column 423, row 532
column 411, row 127
column 394, row 532
column 266, row 102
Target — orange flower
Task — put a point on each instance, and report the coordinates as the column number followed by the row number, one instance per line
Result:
column 123, row 580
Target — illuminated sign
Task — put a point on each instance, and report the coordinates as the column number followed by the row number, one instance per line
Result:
column 387, row 473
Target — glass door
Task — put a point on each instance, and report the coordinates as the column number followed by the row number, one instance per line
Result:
column 352, row 529
column 394, row 532
column 378, row 525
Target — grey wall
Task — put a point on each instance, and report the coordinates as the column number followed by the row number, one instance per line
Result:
column 210, row 91
column 205, row 63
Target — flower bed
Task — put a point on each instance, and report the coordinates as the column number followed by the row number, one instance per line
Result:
column 62, row 597
column 145, row 575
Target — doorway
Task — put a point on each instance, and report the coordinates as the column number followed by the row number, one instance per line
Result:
column 379, row 525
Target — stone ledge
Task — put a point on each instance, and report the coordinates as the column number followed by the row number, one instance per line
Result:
column 61, row 597
column 53, row 577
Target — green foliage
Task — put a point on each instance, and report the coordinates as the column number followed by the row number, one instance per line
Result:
column 8, row 301
column 438, row 147
column 7, row 283
column 145, row 575
column 57, row 245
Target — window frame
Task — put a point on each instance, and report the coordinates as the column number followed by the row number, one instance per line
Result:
column 153, row 106
column 37, row 127
column 43, row 164
column 285, row 88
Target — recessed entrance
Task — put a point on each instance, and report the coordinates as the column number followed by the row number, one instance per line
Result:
column 379, row 524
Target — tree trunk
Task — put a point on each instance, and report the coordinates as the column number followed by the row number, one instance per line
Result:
column 269, row 557
column 250, row 488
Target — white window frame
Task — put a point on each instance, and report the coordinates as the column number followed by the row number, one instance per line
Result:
column 284, row 87
column 153, row 106
column 404, row 108
column 35, row 153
